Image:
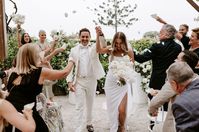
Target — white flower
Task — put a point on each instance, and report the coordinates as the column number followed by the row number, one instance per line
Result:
column 144, row 70
column 155, row 16
column 145, row 80
column 18, row 19
column 56, row 37
column 148, row 67
column 123, row 70
column 105, row 55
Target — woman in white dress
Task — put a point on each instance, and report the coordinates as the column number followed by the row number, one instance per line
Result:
column 116, row 95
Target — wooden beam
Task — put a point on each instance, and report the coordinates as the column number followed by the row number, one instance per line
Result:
column 193, row 4
column 3, row 45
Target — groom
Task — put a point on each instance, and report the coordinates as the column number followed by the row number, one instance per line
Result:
column 83, row 81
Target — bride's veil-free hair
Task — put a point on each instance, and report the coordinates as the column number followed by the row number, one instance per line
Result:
column 122, row 36
column 124, row 46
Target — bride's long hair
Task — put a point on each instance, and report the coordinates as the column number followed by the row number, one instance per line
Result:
column 124, row 46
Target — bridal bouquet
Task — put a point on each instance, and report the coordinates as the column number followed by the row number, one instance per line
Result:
column 18, row 19
column 123, row 70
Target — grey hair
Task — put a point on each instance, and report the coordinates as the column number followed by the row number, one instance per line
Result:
column 170, row 29
column 180, row 72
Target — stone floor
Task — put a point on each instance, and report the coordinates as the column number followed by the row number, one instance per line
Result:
column 137, row 121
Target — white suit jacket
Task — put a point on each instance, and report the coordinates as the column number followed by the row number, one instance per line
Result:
column 98, row 70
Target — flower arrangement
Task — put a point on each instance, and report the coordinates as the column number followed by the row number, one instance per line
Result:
column 60, row 37
column 145, row 71
column 123, row 70
column 18, row 19
column 57, row 35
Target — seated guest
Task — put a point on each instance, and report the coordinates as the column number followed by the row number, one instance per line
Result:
column 167, row 94
column 185, row 107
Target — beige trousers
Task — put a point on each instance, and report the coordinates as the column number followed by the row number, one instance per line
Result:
column 84, row 96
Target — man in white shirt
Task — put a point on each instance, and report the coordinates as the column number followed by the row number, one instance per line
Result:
column 83, row 81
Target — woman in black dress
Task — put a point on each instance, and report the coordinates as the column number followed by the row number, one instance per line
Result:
column 26, row 82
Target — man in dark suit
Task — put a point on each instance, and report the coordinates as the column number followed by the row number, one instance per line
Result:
column 162, row 55
column 185, row 107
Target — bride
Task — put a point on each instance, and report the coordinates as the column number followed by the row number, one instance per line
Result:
column 116, row 95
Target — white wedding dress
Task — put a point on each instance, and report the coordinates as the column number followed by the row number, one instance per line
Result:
column 114, row 96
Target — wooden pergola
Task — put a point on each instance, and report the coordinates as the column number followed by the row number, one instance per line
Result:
column 3, row 45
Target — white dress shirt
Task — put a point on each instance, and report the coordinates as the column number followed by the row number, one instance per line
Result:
column 85, row 68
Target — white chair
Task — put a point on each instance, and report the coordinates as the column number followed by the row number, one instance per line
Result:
column 157, row 119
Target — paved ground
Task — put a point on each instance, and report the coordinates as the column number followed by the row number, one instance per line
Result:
column 137, row 122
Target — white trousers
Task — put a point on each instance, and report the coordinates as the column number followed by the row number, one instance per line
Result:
column 84, row 96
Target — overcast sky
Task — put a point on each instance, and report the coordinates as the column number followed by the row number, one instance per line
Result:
column 49, row 15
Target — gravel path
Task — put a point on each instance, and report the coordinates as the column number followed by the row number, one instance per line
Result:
column 137, row 121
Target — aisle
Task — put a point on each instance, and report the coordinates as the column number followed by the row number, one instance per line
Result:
column 138, row 121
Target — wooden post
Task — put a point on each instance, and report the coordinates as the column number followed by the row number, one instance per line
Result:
column 194, row 5
column 3, row 45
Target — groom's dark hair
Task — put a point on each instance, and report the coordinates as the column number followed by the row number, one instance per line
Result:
column 84, row 30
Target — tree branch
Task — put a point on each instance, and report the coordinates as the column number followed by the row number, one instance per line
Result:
column 9, row 20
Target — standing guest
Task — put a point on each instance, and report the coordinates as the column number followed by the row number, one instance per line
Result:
column 167, row 94
column 48, row 51
column 24, row 38
column 162, row 55
column 9, row 114
column 181, row 35
column 194, row 42
column 185, row 107
column 26, row 81
column 84, row 80
column 43, row 45
column 116, row 96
